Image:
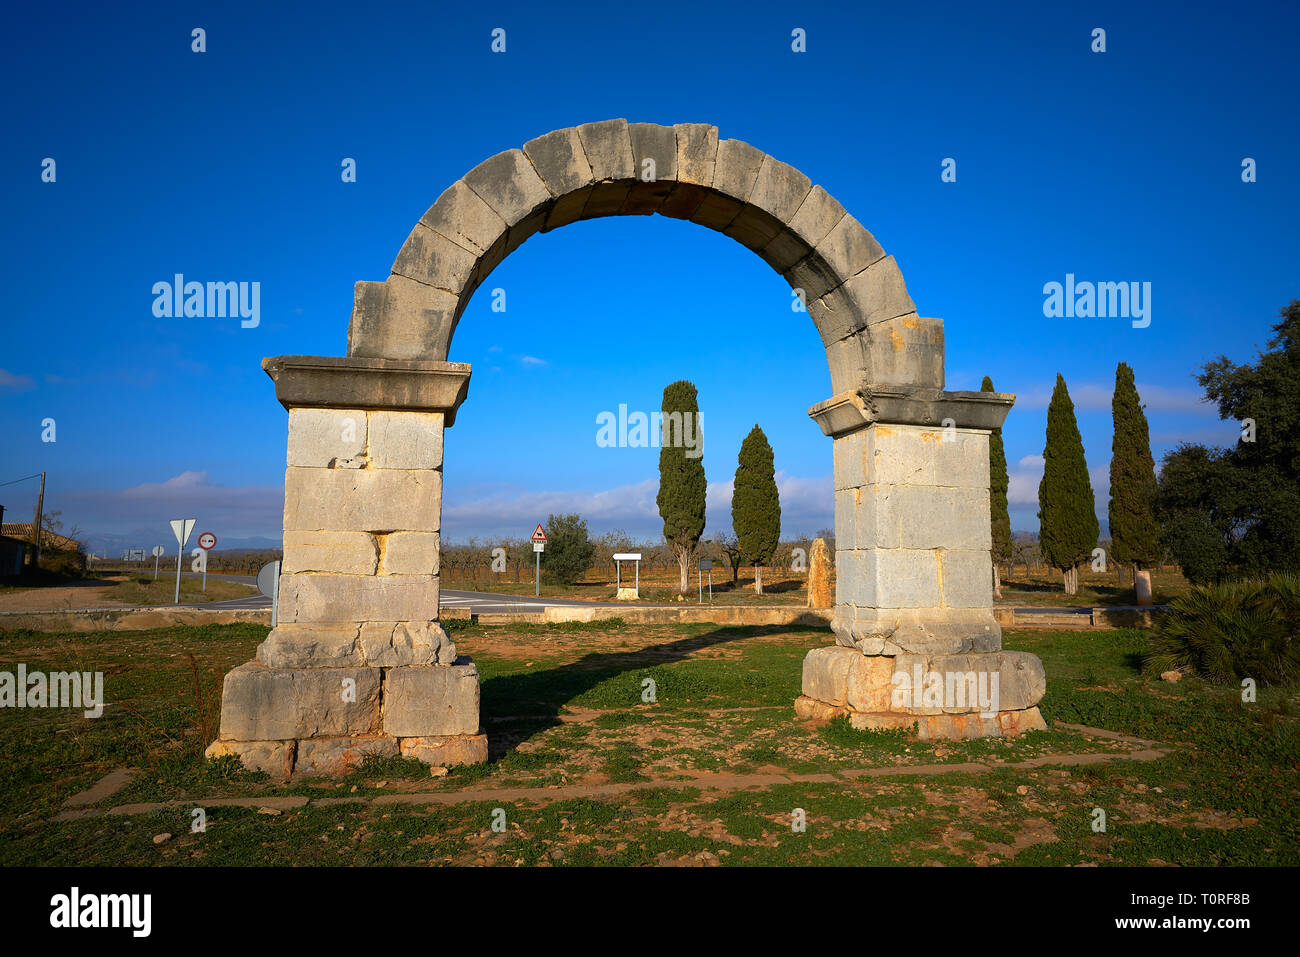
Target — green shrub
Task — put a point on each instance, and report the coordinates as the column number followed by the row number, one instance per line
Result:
column 1232, row 630
column 64, row 562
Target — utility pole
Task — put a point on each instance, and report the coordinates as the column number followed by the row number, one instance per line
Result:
column 36, row 526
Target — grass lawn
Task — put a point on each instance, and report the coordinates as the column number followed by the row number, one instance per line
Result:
column 711, row 772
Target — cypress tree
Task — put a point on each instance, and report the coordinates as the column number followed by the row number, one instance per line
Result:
column 1134, row 534
column 1067, row 512
column 755, row 504
column 682, row 485
column 999, row 515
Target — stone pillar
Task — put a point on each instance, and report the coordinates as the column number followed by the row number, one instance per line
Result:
column 917, row 642
column 358, row 663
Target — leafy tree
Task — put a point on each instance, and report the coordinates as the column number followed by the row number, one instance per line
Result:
column 682, row 486
column 999, row 515
column 1067, row 511
column 569, row 550
column 756, row 504
column 1260, row 514
column 1135, row 535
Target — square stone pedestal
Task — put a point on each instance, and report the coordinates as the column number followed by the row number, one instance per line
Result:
column 358, row 663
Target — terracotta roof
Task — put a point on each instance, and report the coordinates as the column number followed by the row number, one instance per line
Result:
column 23, row 531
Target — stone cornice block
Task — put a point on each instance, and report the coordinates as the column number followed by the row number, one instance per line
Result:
column 850, row 411
column 353, row 382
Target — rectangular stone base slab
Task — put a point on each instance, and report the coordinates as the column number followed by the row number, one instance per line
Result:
column 334, row 756
column 929, row 727
column 326, row 720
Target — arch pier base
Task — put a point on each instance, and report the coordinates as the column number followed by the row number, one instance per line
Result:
column 917, row 642
column 358, row 663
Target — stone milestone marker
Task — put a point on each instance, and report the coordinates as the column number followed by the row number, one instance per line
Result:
column 917, row 643
column 819, row 575
column 358, row 662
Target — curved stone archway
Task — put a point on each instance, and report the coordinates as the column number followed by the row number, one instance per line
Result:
column 854, row 292
column 358, row 662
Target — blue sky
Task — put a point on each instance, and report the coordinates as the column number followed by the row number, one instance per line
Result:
column 225, row 165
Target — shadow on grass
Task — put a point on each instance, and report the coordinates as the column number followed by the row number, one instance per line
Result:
column 517, row 706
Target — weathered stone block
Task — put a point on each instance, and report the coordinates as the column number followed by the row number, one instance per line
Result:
column 320, row 438
column 560, row 160
column 697, row 152
column 716, row 211
column 784, row 251
column 342, row 598
column 345, row 553
column 848, row 361
column 419, row 702
column 933, row 516
column 411, row 553
column 654, row 142
column 447, row 749
column 963, row 460
column 814, row 275
column 339, row 755
column 273, row 704
column 274, row 757
column 508, row 183
column 870, row 683
column 779, row 189
column 901, row 454
column 736, row 168
column 967, row 574
column 817, row 215
column 406, row 440
column 430, row 258
column 461, row 215
column 362, row 500
column 848, row 248
column 754, row 228
column 810, row 709
column 826, row 673
column 401, row 319
column 315, row 645
column 853, row 586
column 608, row 146
column 388, row 644
column 849, row 455
column 877, row 294
column 904, row 578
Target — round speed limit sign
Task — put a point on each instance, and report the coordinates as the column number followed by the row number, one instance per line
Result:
column 207, row 540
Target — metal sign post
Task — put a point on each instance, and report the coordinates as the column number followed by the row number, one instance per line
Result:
column 539, row 546
column 207, row 541
column 157, row 554
column 181, row 528
column 621, row 593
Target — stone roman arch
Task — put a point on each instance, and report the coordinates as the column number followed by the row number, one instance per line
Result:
column 358, row 662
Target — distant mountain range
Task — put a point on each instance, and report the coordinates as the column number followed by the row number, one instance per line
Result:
column 112, row 546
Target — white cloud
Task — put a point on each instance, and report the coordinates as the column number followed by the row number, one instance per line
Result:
column 1156, row 398
column 227, row 510
column 15, row 383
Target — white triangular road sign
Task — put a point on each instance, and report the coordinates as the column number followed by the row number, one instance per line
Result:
column 181, row 528
column 539, row 534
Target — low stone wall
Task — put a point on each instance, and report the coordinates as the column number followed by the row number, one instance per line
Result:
column 131, row 619
column 666, row 615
